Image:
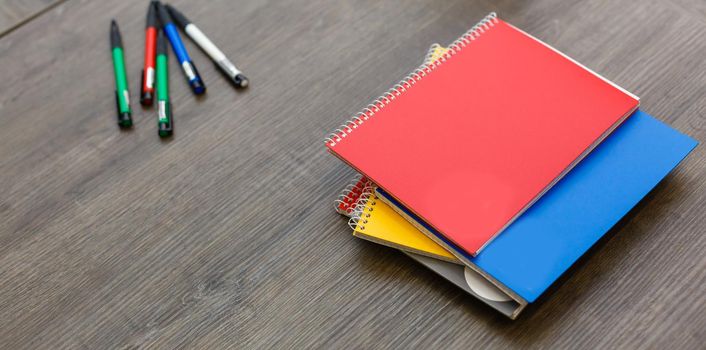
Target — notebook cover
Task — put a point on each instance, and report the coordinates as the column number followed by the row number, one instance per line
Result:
column 383, row 225
column 549, row 237
column 377, row 222
column 451, row 271
column 486, row 130
column 346, row 202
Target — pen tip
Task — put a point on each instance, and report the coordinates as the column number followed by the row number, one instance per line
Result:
column 241, row 81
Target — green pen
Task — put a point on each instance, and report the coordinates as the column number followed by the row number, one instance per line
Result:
column 164, row 106
column 122, row 95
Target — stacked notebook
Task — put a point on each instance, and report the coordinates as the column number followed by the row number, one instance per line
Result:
column 499, row 162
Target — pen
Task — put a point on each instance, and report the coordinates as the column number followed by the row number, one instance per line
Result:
column 219, row 58
column 122, row 95
column 147, row 89
column 164, row 106
column 192, row 75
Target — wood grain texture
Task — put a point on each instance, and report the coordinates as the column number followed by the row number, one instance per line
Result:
column 15, row 13
column 225, row 236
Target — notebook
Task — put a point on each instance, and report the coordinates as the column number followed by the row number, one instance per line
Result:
column 472, row 283
column 391, row 230
column 377, row 222
column 560, row 227
column 463, row 277
column 485, row 130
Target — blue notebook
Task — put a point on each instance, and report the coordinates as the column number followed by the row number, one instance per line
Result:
column 574, row 214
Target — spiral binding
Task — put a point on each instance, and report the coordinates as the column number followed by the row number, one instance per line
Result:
column 348, row 199
column 472, row 34
column 361, row 215
column 430, row 54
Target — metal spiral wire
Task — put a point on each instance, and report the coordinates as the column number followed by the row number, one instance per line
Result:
column 348, row 197
column 359, row 216
column 427, row 67
column 430, row 54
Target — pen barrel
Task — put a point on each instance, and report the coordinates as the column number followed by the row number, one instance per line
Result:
column 162, row 78
column 147, row 90
column 164, row 106
column 226, row 67
column 177, row 45
column 192, row 75
column 121, row 85
column 204, row 42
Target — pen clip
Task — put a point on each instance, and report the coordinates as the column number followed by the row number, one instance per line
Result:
column 142, row 83
column 169, row 116
column 117, row 103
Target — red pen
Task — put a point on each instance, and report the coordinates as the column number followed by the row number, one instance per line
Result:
column 147, row 90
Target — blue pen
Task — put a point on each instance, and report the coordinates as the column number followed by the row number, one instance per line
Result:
column 192, row 75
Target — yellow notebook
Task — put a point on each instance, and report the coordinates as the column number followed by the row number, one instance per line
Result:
column 378, row 222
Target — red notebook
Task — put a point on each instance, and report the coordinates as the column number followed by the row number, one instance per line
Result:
column 472, row 140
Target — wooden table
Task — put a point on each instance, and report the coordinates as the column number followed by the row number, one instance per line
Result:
column 225, row 236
